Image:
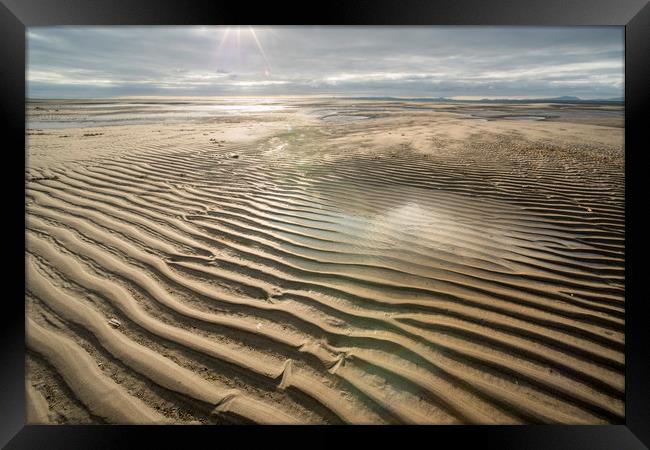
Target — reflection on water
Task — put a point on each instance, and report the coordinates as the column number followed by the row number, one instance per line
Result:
column 392, row 221
column 75, row 115
column 523, row 117
column 343, row 118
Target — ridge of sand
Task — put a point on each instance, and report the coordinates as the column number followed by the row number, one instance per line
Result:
column 415, row 267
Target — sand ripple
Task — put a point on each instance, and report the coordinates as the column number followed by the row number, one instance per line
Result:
column 289, row 287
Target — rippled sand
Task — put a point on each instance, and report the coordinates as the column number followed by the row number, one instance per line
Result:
column 410, row 265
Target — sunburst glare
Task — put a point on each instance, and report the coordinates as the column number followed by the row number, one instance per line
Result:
column 229, row 50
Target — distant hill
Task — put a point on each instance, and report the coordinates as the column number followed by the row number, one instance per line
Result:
column 561, row 99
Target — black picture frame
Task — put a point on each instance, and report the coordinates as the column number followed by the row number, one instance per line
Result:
column 634, row 15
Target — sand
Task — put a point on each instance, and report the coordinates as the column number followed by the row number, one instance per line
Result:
column 330, row 261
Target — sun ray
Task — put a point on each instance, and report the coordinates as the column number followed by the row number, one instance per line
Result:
column 239, row 47
column 223, row 40
column 267, row 71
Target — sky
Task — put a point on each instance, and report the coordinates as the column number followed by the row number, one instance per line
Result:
column 408, row 61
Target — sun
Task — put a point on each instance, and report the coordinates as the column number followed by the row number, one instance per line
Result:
column 248, row 32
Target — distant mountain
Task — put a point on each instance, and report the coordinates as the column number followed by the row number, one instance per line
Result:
column 571, row 99
column 561, row 99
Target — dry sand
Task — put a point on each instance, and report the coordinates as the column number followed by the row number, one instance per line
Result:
column 335, row 261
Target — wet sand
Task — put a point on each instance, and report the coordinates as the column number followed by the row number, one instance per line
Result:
column 327, row 261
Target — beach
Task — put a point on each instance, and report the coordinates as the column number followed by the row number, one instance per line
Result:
column 314, row 260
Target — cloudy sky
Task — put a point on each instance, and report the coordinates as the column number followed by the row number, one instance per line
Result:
column 459, row 62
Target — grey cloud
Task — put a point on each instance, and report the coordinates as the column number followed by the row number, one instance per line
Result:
column 400, row 61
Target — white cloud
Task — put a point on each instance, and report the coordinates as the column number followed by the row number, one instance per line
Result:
column 401, row 61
